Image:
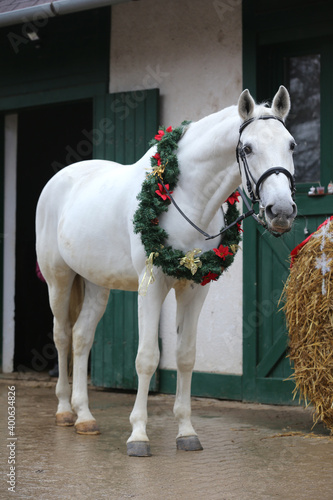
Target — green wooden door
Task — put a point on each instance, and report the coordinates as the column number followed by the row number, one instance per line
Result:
column 124, row 123
column 306, row 70
column 266, row 268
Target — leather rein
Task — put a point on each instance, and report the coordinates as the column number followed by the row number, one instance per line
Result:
column 254, row 196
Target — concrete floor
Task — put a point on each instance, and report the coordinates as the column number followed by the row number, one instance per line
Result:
column 250, row 451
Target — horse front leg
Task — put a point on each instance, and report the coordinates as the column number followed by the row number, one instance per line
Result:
column 189, row 303
column 93, row 307
column 149, row 308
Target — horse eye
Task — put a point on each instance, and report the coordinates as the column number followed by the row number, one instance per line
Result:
column 247, row 150
column 293, row 146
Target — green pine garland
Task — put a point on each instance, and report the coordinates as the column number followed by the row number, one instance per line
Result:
column 152, row 205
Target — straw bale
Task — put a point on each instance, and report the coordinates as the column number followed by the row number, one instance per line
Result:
column 308, row 296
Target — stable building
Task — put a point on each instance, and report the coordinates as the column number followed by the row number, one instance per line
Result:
column 85, row 79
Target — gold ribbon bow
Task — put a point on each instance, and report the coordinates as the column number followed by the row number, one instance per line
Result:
column 191, row 261
column 234, row 248
column 148, row 277
column 158, row 170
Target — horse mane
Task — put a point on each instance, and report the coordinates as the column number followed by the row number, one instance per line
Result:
column 262, row 109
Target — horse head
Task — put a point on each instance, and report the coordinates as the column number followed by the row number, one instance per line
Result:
column 265, row 155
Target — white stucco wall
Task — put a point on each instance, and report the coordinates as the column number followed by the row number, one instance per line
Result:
column 191, row 51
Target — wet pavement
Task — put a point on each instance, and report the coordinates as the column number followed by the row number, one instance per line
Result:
column 250, row 451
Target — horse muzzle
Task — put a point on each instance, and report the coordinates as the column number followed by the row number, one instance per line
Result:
column 280, row 221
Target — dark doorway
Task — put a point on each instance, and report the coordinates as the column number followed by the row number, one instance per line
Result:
column 49, row 138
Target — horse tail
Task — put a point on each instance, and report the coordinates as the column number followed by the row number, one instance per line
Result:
column 76, row 299
column 39, row 273
column 75, row 306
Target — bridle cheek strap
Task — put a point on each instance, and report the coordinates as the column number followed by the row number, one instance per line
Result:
column 240, row 154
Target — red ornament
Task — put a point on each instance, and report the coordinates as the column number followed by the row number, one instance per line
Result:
column 239, row 227
column 161, row 133
column 222, row 251
column 158, row 158
column 208, row 278
column 233, row 198
column 162, row 192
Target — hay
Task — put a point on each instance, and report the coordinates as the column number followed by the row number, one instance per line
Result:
column 305, row 435
column 308, row 296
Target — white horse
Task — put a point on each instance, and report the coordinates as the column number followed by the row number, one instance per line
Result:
column 86, row 243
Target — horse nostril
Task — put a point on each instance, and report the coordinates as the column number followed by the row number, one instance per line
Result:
column 269, row 212
column 294, row 212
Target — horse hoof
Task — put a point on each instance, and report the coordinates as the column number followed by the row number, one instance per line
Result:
column 189, row 443
column 89, row 428
column 138, row 449
column 65, row 419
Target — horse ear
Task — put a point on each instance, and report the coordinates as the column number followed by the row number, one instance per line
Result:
column 245, row 105
column 281, row 103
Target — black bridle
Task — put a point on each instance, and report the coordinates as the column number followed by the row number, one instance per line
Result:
column 241, row 155
column 255, row 198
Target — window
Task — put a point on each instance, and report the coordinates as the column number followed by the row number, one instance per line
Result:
column 303, row 76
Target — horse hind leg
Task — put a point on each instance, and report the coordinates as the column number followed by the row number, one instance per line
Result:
column 93, row 307
column 60, row 292
column 189, row 304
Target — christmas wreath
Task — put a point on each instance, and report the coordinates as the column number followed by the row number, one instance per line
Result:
column 195, row 265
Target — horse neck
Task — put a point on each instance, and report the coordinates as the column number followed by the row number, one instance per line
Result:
column 206, row 155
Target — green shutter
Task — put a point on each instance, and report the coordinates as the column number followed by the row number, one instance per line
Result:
column 124, row 123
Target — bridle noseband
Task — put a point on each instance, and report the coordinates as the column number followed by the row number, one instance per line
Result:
column 240, row 155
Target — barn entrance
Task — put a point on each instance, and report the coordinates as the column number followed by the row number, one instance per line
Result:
column 49, row 138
